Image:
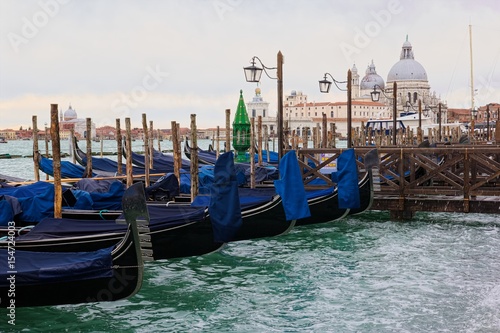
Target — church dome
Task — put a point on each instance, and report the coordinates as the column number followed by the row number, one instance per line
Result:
column 407, row 68
column 70, row 114
column 371, row 79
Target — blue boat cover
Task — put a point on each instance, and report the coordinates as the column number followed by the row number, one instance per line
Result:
column 224, row 207
column 38, row 268
column 347, row 179
column 9, row 207
column 161, row 217
column 291, row 188
column 68, row 169
column 248, row 197
column 166, row 183
column 109, row 197
column 273, row 157
column 162, row 163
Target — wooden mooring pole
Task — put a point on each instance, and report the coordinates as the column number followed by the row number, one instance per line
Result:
column 56, row 159
column 36, row 151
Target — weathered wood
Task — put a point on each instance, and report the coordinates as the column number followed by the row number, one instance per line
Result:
column 324, row 131
column 217, row 143
column 252, row 153
column 151, row 146
column 36, row 151
column 88, row 169
column 158, row 133
column 56, row 159
column 128, row 146
column 119, row 147
column 47, row 177
column 176, row 147
column 259, row 138
column 194, row 158
column 446, row 178
column 228, row 130
column 71, row 144
column 147, row 156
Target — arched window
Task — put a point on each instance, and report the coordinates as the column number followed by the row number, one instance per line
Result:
column 415, row 97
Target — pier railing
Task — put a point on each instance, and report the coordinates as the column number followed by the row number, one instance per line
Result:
column 453, row 178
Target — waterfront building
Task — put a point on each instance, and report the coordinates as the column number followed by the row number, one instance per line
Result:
column 69, row 120
column 412, row 86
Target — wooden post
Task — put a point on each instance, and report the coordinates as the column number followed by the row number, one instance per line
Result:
column 56, row 160
column 102, row 144
column 146, row 150
column 194, row 158
column 266, row 144
column 252, row 153
column 179, row 144
column 228, row 130
column 176, row 150
column 324, row 131
column 72, row 144
column 88, row 170
column 305, row 138
column 259, row 138
column 36, row 151
column 159, row 139
column 217, row 143
column 151, row 144
column 47, row 147
column 128, row 146
column 119, row 147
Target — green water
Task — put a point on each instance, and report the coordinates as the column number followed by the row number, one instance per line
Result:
column 438, row 273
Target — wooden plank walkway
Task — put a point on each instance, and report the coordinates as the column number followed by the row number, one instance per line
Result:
column 452, row 178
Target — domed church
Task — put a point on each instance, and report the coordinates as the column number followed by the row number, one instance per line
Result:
column 69, row 120
column 411, row 82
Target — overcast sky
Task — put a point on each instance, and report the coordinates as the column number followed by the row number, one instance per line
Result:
column 173, row 58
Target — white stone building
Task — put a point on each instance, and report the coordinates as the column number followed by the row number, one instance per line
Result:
column 412, row 86
column 69, row 119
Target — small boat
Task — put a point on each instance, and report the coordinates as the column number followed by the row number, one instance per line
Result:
column 31, row 278
column 2, row 140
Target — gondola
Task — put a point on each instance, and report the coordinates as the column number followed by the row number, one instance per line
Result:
column 103, row 165
column 161, row 162
column 177, row 231
column 263, row 219
column 205, row 157
column 31, row 278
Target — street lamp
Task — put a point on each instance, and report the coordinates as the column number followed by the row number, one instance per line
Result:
column 324, row 87
column 375, row 94
column 253, row 74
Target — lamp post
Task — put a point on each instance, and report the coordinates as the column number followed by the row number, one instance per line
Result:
column 253, row 74
column 375, row 94
column 324, row 87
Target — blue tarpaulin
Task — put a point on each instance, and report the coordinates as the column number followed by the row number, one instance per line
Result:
column 291, row 188
column 49, row 267
column 347, row 179
column 9, row 207
column 224, row 208
column 68, row 169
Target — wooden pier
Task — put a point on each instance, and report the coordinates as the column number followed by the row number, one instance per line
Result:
column 448, row 178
